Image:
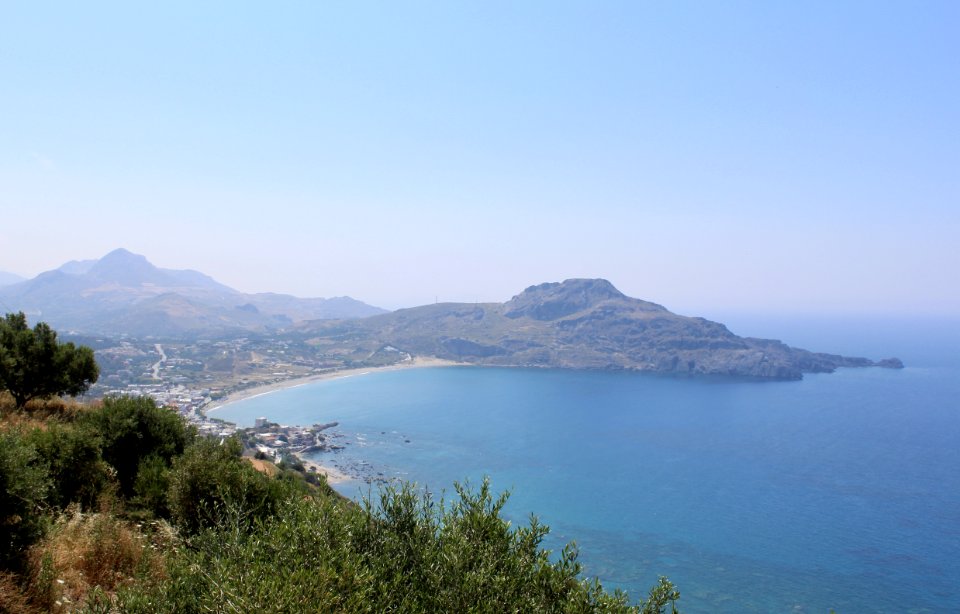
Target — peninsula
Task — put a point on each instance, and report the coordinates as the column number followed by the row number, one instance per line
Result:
column 576, row 324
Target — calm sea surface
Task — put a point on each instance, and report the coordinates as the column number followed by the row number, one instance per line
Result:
column 840, row 491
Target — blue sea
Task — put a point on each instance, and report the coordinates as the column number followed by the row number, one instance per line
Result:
column 840, row 491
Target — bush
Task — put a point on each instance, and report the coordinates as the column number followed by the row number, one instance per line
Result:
column 23, row 486
column 466, row 557
column 133, row 429
column 72, row 461
column 211, row 485
column 406, row 554
column 151, row 486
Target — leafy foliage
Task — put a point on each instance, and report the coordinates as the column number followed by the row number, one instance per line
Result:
column 34, row 365
column 661, row 596
column 133, row 429
column 23, row 485
column 211, row 486
column 241, row 540
column 406, row 554
column 71, row 459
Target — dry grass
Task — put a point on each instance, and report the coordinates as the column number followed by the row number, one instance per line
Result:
column 13, row 600
column 87, row 551
column 38, row 413
column 263, row 466
column 61, row 410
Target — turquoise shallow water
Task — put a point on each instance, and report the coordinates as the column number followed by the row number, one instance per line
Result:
column 840, row 491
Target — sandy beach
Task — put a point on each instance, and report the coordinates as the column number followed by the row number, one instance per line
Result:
column 249, row 393
column 333, row 475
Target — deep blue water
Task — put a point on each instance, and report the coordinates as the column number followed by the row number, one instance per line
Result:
column 839, row 491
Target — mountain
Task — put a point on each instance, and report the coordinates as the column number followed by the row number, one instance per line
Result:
column 123, row 293
column 9, row 278
column 579, row 323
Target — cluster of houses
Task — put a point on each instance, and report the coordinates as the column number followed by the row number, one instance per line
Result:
column 276, row 440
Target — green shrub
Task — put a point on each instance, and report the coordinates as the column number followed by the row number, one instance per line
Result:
column 151, row 486
column 211, row 485
column 72, row 461
column 133, row 429
column 467, row 557
column 405, row 554
column 23, row 486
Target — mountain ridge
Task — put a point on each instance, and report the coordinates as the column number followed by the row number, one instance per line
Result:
column 123, row 293
column 578, row 323
column 7, row 278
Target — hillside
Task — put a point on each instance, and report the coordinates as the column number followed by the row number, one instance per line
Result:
column 7, row 279
column 122, row 507
column 579, row 323
column 123, row 293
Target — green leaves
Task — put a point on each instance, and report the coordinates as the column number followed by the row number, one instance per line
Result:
column 34, row 365
column 404, row 553
column 662, row 595
column 71, row 458
column 134, row 428
column 212, row 487
column 23, row 486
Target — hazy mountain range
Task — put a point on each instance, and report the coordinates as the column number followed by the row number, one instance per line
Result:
column 9, row 278
column 579, row 323
column 123, row 293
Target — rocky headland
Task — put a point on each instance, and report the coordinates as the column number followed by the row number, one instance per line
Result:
column 580, row 324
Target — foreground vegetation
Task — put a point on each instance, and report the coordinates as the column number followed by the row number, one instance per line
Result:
column 122, row 508
column 35, row 365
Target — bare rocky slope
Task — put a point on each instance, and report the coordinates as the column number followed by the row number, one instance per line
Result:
column 579, row 323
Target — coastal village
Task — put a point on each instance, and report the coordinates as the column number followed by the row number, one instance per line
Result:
column 197, row 377
column 192, row 377
column 278, row 441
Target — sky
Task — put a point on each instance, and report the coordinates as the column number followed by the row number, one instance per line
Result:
column 775, row 157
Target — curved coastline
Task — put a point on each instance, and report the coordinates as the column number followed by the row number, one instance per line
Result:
column 332, row 474
column 248, row 393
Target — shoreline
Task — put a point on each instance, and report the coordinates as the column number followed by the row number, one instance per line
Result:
column 418, row 362
column 332, row 474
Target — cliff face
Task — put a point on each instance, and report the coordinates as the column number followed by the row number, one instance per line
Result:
column 579, row 323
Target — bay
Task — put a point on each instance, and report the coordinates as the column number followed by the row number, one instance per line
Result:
column 838, row 491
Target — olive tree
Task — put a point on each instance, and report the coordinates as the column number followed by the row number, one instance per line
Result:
column 34, row 365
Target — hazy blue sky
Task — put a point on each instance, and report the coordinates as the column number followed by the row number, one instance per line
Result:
column 781, row 156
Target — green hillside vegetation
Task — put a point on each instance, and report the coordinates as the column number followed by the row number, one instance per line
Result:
column 121, row 507
column 35, row 365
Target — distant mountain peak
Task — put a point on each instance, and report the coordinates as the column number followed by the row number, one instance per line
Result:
column 580, row 324
column 124, row 257
column 599, row 289
column 7, row 279
column 125, row 267
column 123, row 292
column 554, row 300
column 122, row 252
